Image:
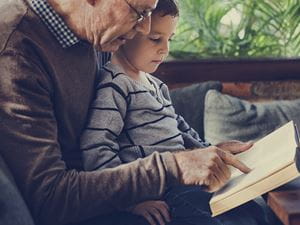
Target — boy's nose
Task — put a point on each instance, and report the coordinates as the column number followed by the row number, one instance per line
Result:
column 164, row 49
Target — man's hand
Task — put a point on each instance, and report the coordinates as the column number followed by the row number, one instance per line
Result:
column 235, row 147
column 153, row 211
column 208, row 167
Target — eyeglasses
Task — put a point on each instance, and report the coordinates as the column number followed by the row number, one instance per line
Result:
column 141, row 15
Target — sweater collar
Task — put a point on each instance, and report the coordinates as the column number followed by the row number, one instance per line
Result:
column 55, row 23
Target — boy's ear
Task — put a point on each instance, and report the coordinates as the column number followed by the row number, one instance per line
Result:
column 91, row 2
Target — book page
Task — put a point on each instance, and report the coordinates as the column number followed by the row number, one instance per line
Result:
column 268, row 155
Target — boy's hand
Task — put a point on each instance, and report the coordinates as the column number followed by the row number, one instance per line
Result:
column 153, row 211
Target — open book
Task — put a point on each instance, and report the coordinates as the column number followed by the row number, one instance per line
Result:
column 274, row 161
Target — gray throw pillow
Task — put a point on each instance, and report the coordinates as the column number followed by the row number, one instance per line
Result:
column 228, row 118
column 189, row 103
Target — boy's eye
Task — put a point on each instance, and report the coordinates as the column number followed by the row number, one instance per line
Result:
column 154, row 39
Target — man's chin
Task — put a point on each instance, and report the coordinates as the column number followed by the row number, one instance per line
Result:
column 112, row 47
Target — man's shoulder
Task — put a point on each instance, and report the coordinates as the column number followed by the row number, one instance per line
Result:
column 11, row 14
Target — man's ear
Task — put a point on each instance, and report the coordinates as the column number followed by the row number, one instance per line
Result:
column 91, row 2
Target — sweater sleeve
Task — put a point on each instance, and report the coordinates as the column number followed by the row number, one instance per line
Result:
column 190, row 136
column 99, row 140
column 30, row 147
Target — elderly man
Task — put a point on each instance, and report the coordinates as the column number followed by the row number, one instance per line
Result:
column 49, row 57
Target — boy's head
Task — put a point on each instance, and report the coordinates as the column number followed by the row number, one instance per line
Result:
column 146, row 52
column 167, row 7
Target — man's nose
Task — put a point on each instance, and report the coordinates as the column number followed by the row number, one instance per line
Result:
column 144, row 26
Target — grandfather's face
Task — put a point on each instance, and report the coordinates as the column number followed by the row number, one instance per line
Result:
column 111, row 22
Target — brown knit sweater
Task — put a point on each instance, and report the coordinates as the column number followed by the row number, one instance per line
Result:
column 45, row 91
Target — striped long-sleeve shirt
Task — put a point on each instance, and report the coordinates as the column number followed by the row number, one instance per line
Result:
column 128, row 120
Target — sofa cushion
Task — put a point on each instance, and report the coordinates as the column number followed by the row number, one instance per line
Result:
column 189, row 103
column 13, row 210
column 227, row 117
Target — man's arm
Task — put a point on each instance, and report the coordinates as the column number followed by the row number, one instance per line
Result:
column 30, row 147
column 55, row 195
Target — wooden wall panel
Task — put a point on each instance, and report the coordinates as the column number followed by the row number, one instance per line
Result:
column 259, row 80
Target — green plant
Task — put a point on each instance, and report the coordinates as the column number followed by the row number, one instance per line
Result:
column 237, row 28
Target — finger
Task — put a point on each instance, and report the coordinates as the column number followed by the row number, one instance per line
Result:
column 226, row 174
column 212, row 183
column 222, row 170
column 149, row 218
column 235, row 146
column 157, row 215
column 226, row 171
column 230, row 159
column 164, row 210
column 243, row 146
column 215, row 177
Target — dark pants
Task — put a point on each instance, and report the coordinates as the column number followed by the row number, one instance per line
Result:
column 118, row 218
column 189, row 205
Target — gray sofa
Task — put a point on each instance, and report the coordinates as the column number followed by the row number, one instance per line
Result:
column 13, row 210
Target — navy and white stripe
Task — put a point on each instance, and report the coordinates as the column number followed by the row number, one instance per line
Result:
column 54, row 23
column 129, row 120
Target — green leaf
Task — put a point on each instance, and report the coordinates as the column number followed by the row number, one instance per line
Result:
column 238, row 28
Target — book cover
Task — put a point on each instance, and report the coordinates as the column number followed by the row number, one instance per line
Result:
column 274, row 161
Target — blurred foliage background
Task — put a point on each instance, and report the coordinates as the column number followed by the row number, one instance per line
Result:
column 237, row 29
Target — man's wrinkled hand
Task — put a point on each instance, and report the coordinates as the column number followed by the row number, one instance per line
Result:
column 207, row 167
column 155, row 212
column 234, row 146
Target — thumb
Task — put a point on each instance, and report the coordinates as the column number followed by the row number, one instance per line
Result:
column 235, row 146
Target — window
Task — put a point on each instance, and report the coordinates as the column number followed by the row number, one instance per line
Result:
column 237, row 29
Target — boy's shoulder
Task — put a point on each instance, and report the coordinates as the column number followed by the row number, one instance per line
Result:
column 160, row 84
column 156, row 80
column 113, row 74
column 111, row 71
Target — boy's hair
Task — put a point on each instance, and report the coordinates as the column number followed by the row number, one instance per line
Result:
column 167, row 7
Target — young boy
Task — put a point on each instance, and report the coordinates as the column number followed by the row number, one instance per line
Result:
column 132, row 116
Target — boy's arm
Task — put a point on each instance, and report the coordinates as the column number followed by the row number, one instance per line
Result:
column 99, row 140
column 190, row 136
